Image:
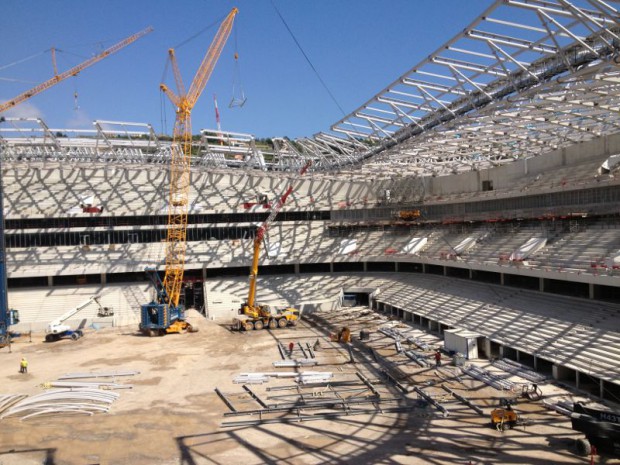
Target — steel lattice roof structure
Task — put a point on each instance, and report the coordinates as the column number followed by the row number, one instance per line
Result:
column 524, row 78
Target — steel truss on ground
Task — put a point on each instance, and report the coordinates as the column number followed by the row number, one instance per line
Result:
column 525, row 78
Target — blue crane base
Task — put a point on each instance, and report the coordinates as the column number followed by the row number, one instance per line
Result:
column 159, row 319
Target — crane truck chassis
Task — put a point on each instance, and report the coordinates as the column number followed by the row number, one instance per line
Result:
column 263, row 316
column 255, row 316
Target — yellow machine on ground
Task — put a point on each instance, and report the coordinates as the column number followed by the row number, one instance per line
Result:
column 251, row 314
column 343, row 335
column 505, row 416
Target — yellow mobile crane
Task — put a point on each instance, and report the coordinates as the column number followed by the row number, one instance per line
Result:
column 255, row 316
column 165, row 314
column 71, row 72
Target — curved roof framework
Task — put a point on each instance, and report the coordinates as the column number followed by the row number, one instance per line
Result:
column 524, row 78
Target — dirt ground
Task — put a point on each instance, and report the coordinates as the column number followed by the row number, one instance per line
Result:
column 172, row 415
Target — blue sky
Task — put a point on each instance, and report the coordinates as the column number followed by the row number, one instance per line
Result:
column 357, row 46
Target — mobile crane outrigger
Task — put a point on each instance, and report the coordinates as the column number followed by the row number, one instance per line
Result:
column 251, row 314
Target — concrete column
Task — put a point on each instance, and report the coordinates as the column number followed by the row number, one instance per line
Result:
column 559, row 372
column 396, row 267
column 445, row 271
column 365, row 266
column 518, row 352
column 501, row 278
column 50, row 281
column 487, row 347
column 104, row 278
column 296, row 268
column 423, row 267
column 204, row 274
column 331, row 267
column 601, row 390
column 591, row 290
column 541, row 285
column 430, row 326
column 535, row 363
column 577, row 379
column 501, row 351
column 471, row 273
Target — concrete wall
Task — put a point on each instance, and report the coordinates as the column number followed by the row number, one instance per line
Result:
column 504, row 176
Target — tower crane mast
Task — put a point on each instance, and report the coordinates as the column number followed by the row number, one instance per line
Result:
column 165, row 315
column 73, row 71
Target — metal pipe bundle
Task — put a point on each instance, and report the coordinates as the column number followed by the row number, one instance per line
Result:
column 489, row 378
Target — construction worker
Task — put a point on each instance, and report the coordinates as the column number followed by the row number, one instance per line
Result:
column 291, row 346
column 23, row 365
column 437, row 358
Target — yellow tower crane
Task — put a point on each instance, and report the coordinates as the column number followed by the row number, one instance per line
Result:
column 165, row 315
column 71, row 72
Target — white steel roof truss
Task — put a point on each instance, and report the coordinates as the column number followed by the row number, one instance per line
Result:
column 600, row 5
column 550, row 7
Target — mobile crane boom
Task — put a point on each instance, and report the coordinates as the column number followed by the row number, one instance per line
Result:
column 260, row 235
column 255, row 316
column 73, row 71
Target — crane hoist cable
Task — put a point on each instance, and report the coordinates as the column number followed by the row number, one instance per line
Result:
column 238, row 95
column 316, row 72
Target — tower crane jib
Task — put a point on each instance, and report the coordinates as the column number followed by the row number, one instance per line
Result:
column 73, row 71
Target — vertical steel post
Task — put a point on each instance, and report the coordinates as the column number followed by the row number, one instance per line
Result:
column 4, row 304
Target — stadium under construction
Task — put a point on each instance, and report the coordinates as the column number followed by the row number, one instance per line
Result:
column 447, row 249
